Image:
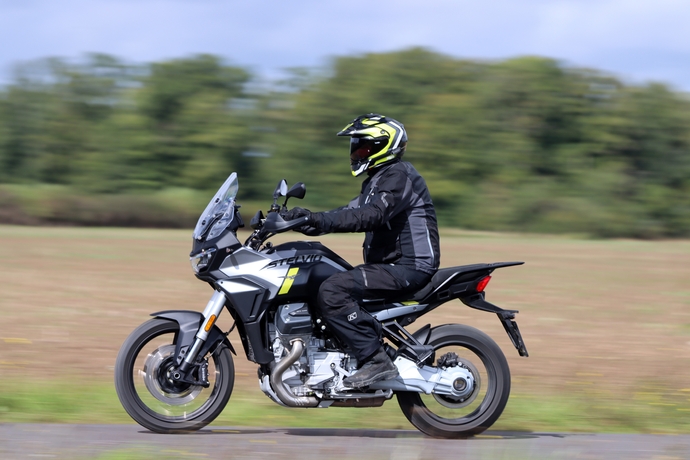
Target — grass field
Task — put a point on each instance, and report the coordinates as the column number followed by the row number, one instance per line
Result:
column 607, row 325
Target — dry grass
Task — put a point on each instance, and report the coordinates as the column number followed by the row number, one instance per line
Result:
column 604, row 321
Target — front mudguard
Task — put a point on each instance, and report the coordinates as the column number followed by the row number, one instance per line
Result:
column 190, row 322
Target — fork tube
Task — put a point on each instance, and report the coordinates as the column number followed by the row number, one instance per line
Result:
column 210, row 314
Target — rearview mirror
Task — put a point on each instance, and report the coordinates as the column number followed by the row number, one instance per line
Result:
column 298, row 190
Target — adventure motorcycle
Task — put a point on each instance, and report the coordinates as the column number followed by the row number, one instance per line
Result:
column 175, row 372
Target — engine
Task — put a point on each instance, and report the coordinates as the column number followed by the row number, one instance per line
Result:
column 318, row 367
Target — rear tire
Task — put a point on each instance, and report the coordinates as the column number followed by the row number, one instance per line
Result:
column 443, row 417
column 154, row 400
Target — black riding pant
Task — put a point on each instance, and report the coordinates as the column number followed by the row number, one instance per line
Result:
column 341, row 297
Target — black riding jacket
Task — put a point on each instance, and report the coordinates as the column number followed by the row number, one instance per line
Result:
column 396, row 212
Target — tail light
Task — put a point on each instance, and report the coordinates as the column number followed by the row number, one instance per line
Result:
column 481, row 285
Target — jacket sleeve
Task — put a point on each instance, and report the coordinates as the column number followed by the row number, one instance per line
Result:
column 387, row 200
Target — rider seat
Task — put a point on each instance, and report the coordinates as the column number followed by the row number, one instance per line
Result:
column 446, row 283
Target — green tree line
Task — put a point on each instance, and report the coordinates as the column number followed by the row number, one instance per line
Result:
column 525, row 144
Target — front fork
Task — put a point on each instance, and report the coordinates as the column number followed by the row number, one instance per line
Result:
column 210, row 315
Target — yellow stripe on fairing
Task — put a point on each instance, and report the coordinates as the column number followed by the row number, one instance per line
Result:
column 289, row 279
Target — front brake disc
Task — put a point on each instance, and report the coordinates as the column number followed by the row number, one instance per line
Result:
column 159, row 382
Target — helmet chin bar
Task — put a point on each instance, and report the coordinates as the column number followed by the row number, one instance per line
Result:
column 359, row 167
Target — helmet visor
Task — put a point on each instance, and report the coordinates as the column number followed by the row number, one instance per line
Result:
column 364, row 147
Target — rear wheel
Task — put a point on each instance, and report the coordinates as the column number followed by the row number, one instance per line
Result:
column 447, row 417
column 152, row 397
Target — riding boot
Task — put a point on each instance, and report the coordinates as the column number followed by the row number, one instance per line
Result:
column 378, row 367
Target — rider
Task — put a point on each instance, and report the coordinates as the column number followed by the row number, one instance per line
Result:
column 401, row 246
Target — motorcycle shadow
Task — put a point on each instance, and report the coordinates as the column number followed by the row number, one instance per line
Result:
column 373, row 433
column 368, row 433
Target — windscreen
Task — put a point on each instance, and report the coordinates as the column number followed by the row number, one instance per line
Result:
column 219, row 212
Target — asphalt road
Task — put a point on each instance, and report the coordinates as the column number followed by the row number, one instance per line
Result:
column 31, row 441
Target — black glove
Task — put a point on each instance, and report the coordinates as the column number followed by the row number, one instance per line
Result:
column 311, row 225
column 295, row 213
column 309, row 230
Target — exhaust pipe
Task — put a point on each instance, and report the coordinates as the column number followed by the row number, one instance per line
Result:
column 281, row 391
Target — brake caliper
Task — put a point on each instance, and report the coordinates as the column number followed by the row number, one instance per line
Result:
column 450, row 359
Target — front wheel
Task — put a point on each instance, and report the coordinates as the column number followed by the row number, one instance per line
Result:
column 445, row 417
column 149, row 394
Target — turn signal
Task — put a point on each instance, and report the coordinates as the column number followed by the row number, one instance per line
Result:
column 209, row 325
column 482, row 283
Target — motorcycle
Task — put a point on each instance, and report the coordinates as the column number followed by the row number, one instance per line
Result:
column 175, row 372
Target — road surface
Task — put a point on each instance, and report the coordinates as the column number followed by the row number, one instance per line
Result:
column 32, row 441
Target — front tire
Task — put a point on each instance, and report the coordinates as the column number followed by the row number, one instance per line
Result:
column 444, row 417
column 153, row 399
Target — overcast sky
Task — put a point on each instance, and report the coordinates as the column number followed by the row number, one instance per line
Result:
column 636, row 40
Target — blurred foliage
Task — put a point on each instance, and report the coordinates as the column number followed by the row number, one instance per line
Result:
column 525, row 144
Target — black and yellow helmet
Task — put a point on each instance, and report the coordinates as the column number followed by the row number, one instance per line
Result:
column 375, row 141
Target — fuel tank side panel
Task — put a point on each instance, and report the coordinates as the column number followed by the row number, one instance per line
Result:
column 303, row 265
column 303, row 281
column 254, row 267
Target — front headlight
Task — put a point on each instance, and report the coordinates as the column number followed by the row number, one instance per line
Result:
column 202, row 259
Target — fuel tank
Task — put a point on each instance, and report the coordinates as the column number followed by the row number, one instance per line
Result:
column 307, row 265
column 289, row 271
